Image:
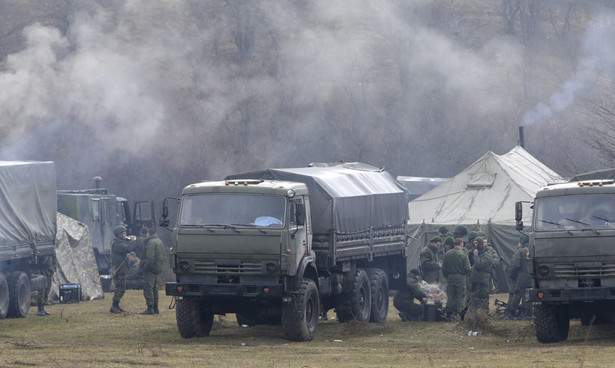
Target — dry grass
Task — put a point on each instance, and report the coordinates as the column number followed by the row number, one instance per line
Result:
column 87, row 335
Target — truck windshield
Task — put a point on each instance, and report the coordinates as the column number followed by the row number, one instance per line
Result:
column 596, row 211
column 233, row 209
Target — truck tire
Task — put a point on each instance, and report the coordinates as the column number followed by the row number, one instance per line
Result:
column 20, row 295
column 551, row 323
column 356, row 304
column 380, row 295
column 4, row 296
column 192, row 319
column 245, row 320
column 300, row 315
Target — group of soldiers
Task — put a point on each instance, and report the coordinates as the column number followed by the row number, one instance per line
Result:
column 150, row 266
column 465, row 264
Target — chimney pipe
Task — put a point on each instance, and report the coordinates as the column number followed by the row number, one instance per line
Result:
column 97, row 180
column 521, row 138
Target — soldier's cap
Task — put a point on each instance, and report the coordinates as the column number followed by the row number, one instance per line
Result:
column 472, row 235
column 415, row 272
column 481, row 234
column 144, row 230
column 119, row 229
column 449, row 241
column 443, row 229
column 436, row 239
column 460, row 231
column 524, row 239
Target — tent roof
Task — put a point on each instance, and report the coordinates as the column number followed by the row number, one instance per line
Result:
column 485, row 191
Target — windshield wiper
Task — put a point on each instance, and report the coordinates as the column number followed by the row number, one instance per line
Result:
column 251, row 226
column 589, row 226
column 556, row 224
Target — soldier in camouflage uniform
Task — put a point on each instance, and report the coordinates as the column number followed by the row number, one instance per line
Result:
column 121, row 246
column 519, row 276
column 455, row 267
column 134, row 277
column 430, row 261
column 480, row 276
column 404, row 298
column 151, row 265
column 46, row 268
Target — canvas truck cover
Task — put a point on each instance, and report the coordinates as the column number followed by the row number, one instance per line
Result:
column 347, row 197
column 27, row 202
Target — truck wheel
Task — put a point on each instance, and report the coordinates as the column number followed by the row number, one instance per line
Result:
column 192, row 319
column 4, row 296
column 20, row 295
column 551, row 323
column 357, row 302
column 300, row 315
column 380, row 295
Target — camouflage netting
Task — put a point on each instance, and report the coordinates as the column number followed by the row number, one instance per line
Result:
column 77, row 264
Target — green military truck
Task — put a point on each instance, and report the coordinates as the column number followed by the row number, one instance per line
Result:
column 275, row 246
column 27, row 231
column 572, row 260
column 102, row 211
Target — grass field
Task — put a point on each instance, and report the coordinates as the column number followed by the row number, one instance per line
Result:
column 87, row 335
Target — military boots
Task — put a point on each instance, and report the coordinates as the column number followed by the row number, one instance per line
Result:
column 115, row 308
column 156, row 311
column 149, row 310
column 41, row 310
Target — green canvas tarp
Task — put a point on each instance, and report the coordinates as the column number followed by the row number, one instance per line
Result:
column 77, row 264
column 482, row 198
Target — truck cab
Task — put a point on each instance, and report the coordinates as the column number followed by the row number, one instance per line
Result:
column 572, row 261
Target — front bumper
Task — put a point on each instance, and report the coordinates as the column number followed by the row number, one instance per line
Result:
column 563, row 295
column 225, row 290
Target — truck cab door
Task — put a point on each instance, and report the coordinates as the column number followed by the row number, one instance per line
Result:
column 143, row 216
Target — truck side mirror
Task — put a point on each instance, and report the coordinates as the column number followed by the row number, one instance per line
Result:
column 519, row 215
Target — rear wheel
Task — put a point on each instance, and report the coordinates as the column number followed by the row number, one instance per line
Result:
column 380, row 295
column 300, row 315
column 19, row 295
column 193, row 320
column 357, row 302
column 551, row 323
column 4, row 296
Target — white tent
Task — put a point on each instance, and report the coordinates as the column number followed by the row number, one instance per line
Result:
column 482, row 198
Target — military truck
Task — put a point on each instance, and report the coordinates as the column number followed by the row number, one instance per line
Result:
column 27, row 231
column 571, row 258
column 102, row 211
column 275, row 246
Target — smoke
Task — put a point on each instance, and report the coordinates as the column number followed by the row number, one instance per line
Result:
column 597, row 61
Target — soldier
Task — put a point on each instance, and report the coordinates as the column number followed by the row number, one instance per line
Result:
column 140, row 244
column 455, row 267
column 480, row 276
column 449, row 243
column 404, row 298
column 151, row 265
column 430, row 261
column 520, row 277
column 460, row 232
column 47, row 268
column 121, row 246
column 134, row 277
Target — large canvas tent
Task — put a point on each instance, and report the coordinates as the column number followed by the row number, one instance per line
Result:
column 482, row 198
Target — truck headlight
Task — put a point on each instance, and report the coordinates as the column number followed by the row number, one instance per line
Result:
column 271, row 267
column 543, row 270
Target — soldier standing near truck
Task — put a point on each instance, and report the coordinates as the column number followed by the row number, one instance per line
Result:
column 122, row 245
column 431, row 266
column 151, row 265
column 47, row 268
column 520, row 277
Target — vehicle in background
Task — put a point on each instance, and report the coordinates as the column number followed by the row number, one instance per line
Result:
column 102, row 212
column 571, row 258
column 274, row 246
column 27, row 231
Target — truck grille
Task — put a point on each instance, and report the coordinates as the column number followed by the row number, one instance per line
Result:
column 585, row 270
column 228, row 266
